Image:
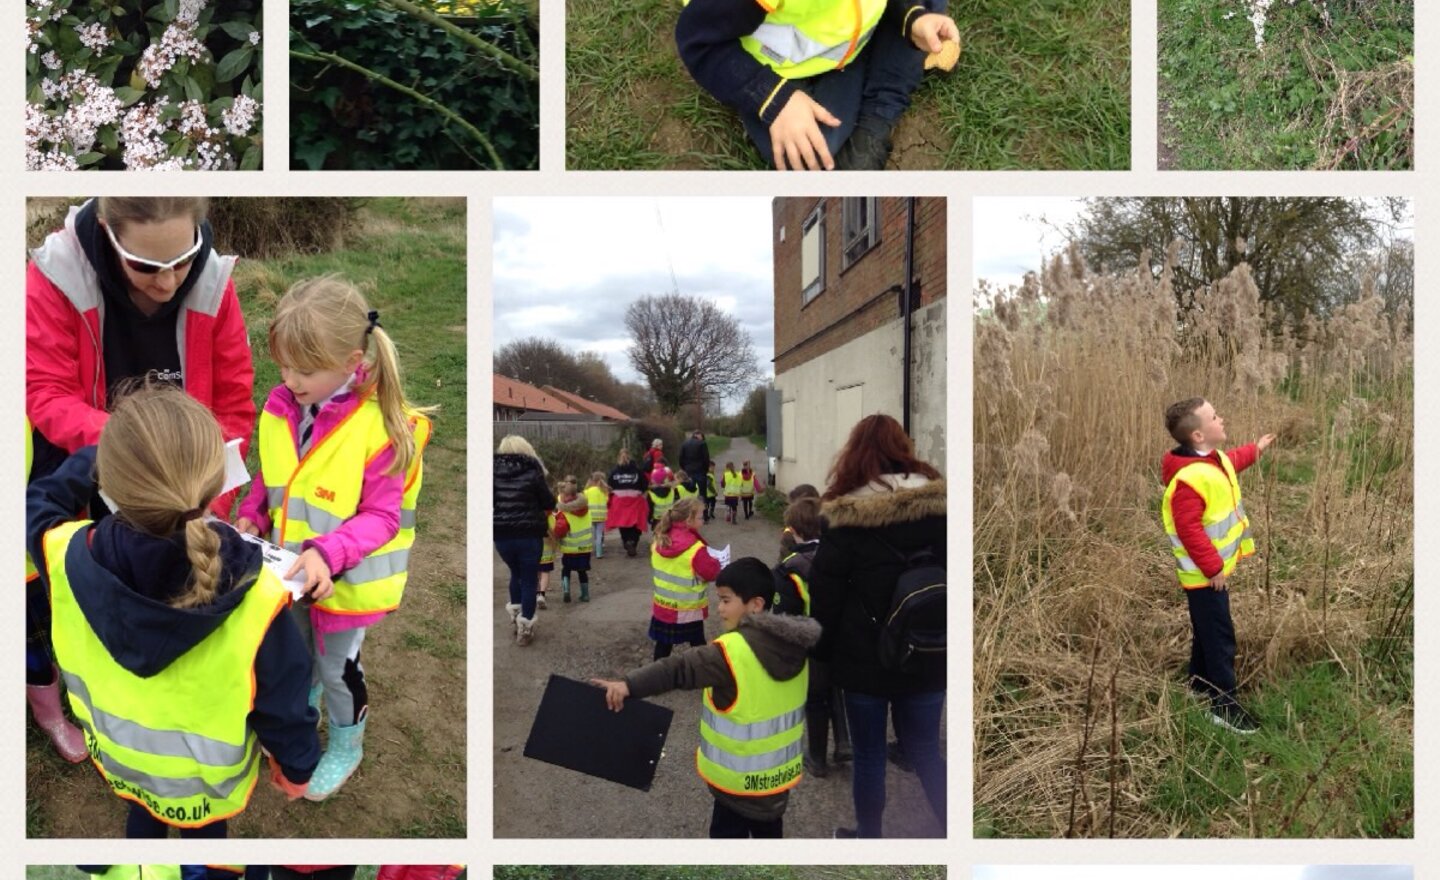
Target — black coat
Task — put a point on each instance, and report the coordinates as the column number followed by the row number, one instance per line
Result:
column 521, row 497
column 853, row 576
column 695, row 459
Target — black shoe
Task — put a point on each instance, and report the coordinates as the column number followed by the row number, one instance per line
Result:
column 846, row 833
column 842, row 756
column 1234, row 719
column 818, row 769
column 867, row 148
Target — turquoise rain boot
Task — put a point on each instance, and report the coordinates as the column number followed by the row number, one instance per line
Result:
column 341, row 757
column 584, row 591
column 565, row 588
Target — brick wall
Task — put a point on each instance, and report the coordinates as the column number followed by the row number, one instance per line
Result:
column 835, row 316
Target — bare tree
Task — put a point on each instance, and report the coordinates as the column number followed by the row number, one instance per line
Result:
column 688, row 349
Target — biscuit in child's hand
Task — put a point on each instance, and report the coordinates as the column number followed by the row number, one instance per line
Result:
column 944, row 59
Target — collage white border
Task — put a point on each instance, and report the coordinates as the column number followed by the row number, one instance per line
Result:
column 479, row 850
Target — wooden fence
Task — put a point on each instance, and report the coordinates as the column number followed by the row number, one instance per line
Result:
column 597, row 434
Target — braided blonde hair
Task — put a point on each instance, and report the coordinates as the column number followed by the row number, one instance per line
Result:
column 162, row 460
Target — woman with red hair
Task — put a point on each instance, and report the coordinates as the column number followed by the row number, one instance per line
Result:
column 882, row 509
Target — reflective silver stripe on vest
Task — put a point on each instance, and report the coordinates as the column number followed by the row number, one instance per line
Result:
column 275, row 496
column 755, row 729
column 173, row 787
column 1230, row 549
column 1222, row 528
column 167, row 743
column 374, row 568
column 677, row 595
column 750, row 763
column 785, row 44
column 321, row 522
column 295, row 546
column 669, row 578
column 407, row 518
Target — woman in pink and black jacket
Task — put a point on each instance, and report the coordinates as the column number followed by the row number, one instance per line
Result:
column 128, row 289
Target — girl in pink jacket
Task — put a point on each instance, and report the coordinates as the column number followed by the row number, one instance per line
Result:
column 340, row 471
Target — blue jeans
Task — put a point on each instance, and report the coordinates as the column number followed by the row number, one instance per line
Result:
column 140, row 824
column 522, row 555
column 917, row 725
column 877, row 82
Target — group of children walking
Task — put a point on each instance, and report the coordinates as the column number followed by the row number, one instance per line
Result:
column 184, row 657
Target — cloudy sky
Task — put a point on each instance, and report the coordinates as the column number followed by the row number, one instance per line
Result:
column 567, row 268
column 1192, row 872
column 1013, row 234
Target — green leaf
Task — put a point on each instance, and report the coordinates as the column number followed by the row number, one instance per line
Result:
column 90, row 158
column 313, row 155
column 192, row 89
column 251, row 160
column 109, row 139
column 128, row 95
column 240, row 30
column 233, row 64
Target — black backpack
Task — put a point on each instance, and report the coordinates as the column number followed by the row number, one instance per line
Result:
column 912, row 632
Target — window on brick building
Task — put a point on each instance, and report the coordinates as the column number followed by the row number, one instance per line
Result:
column 812, row 255
column 861, row 228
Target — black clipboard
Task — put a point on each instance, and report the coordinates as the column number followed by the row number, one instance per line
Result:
column 574, row 729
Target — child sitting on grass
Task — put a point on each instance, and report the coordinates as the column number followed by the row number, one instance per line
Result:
column 818, row 84
column 1209, row 533
column 752, row 717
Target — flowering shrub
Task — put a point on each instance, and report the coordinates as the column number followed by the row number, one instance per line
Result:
column 157, row 85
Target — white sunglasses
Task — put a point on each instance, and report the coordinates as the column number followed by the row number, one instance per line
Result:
column 146, row 266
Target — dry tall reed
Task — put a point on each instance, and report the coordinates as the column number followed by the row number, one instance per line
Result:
column 1073, row 372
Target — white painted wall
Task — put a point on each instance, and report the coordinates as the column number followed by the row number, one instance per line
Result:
column 822, row 399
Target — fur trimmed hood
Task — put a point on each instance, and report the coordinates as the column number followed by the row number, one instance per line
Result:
column 781, row 642
column 873, row 510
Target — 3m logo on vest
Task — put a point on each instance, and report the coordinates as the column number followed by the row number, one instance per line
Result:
column 767, row 781
column 324, row 494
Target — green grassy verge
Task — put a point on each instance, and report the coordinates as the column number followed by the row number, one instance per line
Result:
column 1040, row 86
column 1313, row 97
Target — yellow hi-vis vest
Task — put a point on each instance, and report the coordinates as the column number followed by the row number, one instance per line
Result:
column 144, row 872
column 579, row 539
column 753, row 747
column 747, row 485
column 662, row 503
column 599, row 503
column 315, row 495
column 675, row 585
column 804, row 38
column 732, row 485
column 801, row 587
column 30, row 571
column 547, row 544
column 681, row 493
column 178, row 743
column 1226, row 524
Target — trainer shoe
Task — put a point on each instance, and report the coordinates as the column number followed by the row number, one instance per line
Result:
column 1234, row 719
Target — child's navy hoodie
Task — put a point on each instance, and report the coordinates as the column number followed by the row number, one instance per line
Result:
column 124, row 583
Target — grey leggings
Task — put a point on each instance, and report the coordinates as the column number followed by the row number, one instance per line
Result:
column 338, row 670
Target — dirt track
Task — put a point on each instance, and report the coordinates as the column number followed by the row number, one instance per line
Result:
column 606, row 637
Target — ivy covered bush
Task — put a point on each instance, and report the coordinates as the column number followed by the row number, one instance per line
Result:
column 413, row 84
column 158, row 85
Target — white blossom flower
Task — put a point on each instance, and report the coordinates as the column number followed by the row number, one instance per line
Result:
column 51, row 60
column 254, row 38
column 241, row 116
column 94, row 36
column 177, row 41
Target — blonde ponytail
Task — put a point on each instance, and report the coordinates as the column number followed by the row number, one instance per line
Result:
column 162, row 460
column 319, row 324
column 679, row 512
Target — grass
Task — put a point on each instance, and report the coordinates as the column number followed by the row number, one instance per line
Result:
column 1083, row 726
column 716, row 444
column 1313, row 97
column 1045, row 86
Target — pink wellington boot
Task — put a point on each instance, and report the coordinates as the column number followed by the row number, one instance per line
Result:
column 45, row 704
